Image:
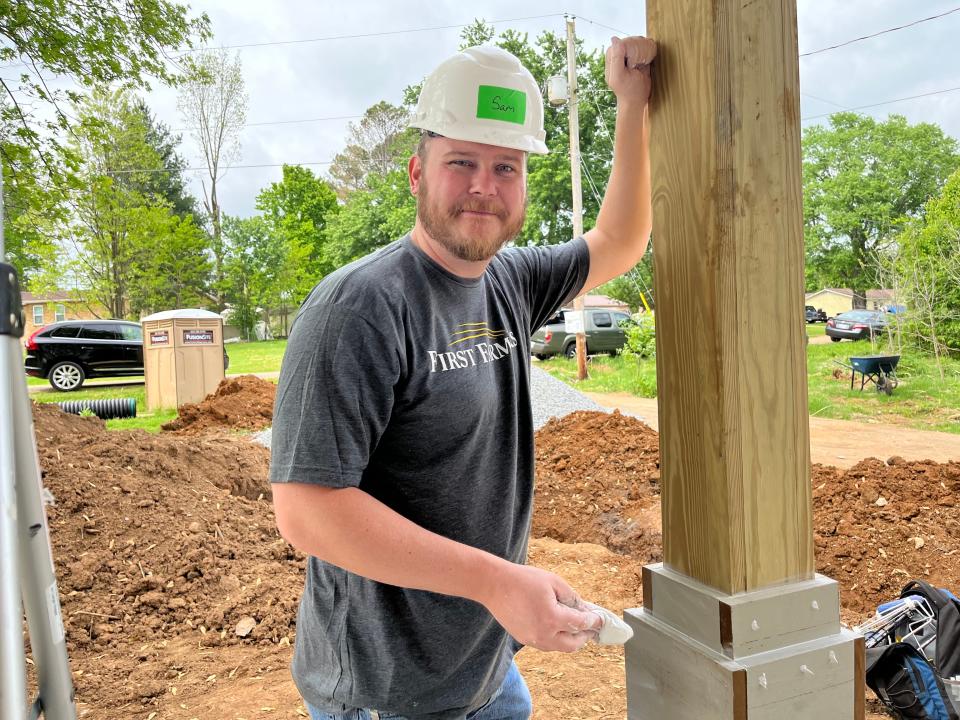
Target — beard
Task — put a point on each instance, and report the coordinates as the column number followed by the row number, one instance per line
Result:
column 481, row 241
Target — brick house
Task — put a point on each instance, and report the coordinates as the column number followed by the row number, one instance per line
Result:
column 45, row 308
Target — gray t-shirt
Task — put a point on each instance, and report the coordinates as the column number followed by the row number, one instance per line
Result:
column 413, row 384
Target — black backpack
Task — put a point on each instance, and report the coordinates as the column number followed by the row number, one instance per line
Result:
column 909, row 686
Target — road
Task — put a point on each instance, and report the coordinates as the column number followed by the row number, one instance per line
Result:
column 842, row 443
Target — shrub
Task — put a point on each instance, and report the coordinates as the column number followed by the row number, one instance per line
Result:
column 641, row 338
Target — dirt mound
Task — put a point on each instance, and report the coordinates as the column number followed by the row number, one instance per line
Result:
column 598, row 481
column 165, row 547
column 53, row 426
column 241, row 403
column 879, row 524
column 162, row 535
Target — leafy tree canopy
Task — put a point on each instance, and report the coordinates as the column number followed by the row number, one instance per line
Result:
column 863, row 179
column 92, row 43
column 379, row 143
column 298, row 209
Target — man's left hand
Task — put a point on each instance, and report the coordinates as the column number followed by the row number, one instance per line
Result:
column 628, row 67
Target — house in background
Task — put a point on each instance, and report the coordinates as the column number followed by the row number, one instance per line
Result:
column 45, row 308
column 605, row 303
column 834, row 301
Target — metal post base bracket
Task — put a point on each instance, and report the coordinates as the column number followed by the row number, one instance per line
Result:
column 11, row 308
column 769, row 654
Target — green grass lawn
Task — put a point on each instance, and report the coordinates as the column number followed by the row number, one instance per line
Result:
column 607, row 374
column 922, row 400
column 815, row 329
column 255, row 357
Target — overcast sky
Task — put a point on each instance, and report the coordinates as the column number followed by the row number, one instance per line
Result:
column 343, row 77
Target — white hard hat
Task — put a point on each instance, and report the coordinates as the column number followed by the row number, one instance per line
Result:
column 483, row 95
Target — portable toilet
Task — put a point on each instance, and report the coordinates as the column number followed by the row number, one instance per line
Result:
column 183, row 356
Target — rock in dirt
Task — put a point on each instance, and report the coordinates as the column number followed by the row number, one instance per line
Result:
column 245, row 626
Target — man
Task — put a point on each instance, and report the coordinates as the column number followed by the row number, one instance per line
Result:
column 403, row 436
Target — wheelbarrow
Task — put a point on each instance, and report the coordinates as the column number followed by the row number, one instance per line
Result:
column 881, row 370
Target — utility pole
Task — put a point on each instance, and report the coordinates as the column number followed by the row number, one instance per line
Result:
column 574, row 121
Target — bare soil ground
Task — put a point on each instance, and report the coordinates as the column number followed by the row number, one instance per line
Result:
column 832, row 442
column 179, row 597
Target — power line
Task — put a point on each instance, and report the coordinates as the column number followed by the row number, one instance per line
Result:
column 205, row 169
column 828, row 102
column 594, row 22
column 886, row 102
column 882, row 32
column 284, row 122
column 381, row 33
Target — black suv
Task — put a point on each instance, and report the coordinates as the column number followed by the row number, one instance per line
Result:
column 66, row 353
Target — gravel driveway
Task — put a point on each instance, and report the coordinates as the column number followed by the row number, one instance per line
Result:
column 550, row 398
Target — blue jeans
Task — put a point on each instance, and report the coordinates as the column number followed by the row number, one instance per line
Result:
column 511, row 701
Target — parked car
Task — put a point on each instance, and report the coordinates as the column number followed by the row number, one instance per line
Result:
column 67, row 353
column 856, row 325
column 601, row 327
column 815, row 314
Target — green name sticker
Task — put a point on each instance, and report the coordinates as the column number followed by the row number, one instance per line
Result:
column 497, row 103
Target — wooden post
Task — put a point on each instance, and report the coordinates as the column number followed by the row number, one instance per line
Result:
column 735, row 621
column 731, row 365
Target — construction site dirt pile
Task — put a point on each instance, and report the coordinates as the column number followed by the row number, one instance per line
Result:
column 179, row 597
column 876, row 525
column 598, row 481
column 157, row 536
column 882, row 523
column 239, row 403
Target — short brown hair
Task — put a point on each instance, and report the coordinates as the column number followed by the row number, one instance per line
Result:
column 425, row 137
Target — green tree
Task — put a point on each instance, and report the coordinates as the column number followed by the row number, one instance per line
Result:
column 30, row 215
column 629, row 287
column 112, row 218
column 169, row 184
column 266, row 271
column 370, row 219
column 93, row 43
column 242, row 278
column 863, row 180
column 171, row 263
column 379, row 143
column 297, row 209
column 925, row 268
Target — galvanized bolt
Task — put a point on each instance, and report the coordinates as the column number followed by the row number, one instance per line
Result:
column 763, row 680
column 815, row 605
column 754, row 626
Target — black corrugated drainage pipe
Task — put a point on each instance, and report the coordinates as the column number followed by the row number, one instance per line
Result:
column 103, row 409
